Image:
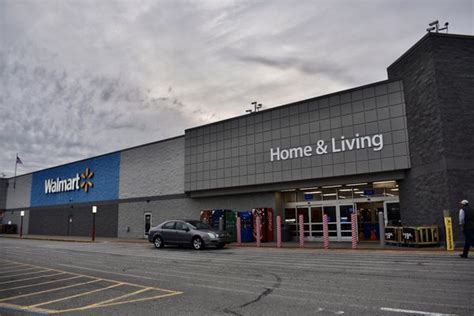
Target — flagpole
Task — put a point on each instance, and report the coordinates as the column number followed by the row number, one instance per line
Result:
column 14, row 179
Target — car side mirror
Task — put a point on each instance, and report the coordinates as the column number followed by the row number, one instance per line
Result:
column 187, row 229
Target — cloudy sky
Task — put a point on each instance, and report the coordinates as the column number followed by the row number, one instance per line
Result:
column 81, row 78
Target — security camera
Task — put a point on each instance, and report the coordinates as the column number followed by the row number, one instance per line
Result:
column 446, row 24
column 430, row 29
column 433, row 23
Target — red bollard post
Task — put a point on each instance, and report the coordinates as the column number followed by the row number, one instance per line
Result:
column 354, row 230
column 301, row 231
column 325, row 231
column 239, row 231
column 259, row 230
column 278, row 231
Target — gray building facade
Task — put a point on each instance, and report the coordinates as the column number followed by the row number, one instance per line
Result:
column 393, row 146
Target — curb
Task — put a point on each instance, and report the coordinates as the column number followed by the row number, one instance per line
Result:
column 235, row 246
column 131, row 241
column 50, row 239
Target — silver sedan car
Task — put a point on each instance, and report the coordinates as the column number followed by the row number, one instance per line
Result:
column 187, row 233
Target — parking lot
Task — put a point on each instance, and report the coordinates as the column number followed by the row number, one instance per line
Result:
column 39, row 289
column 104, row 278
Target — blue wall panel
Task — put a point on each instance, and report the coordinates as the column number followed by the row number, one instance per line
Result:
column 105, row 181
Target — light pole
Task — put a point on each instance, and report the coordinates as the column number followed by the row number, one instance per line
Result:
column 256, row 107
column 94, row 211
column 22, row 214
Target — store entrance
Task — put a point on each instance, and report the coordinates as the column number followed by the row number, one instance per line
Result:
column 339, row 221
column 368, row 218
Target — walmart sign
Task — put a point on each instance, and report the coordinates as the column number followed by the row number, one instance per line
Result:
column 83, row 181
column 59, row 185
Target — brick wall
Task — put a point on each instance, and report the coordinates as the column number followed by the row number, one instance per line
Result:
column 154, row 169
column 131, row 215
column 19, row 194
column 438, row 77
column 55, row 221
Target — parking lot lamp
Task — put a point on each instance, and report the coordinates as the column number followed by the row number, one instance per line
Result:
column 22, row 214
column 94, row 211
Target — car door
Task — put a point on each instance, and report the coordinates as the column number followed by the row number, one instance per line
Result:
column 168, row 232
column 183, row 236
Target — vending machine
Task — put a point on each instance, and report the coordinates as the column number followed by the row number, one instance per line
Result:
column 206, row 217
column 246, row 225
column 230, row 218
column 266, row 220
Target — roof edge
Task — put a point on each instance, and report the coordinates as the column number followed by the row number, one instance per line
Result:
column 421, row 41
column 98, row 156
column 277, row 107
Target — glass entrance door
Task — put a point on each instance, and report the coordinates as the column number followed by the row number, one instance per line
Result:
column 345, row 224
column 312, row 221
column 339, row 221
column 333, row 218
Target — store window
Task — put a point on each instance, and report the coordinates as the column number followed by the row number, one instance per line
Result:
column 389, row 188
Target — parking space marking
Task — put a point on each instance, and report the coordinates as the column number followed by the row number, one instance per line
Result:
column 76, row 295
column 98, row 305
column 38, row 277
column 20, row 274
column 48, row 291
column 42, row 283
column 39, row 307
column 25, row 308
column 10, row 269
column 9, row 266
column 124, row 296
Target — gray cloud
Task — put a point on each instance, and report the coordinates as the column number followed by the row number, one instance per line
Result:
column 81, row 78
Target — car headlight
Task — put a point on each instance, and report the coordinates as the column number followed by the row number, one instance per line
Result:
column 212, row 235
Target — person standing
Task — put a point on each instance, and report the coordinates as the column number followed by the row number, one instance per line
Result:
column 466, row 220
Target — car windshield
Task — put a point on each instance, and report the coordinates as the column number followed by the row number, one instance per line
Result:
column 198, row 225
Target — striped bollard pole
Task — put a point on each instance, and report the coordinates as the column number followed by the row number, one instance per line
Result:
column 354, row 230
column 259, row 230
column 278, row 231
column 239, row 232
column 301, row 231
column 325, row 231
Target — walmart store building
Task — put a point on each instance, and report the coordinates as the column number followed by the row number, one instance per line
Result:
column 403, row 146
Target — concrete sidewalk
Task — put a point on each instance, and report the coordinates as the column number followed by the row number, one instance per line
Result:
column 364, row 245
column 74, row 238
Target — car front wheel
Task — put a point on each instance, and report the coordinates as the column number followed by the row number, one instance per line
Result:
column 158, row 242
column 198, row 244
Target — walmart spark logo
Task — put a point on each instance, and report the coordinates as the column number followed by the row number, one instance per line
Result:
column 86, row 182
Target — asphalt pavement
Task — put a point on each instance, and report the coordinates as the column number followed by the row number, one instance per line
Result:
column 78, row 278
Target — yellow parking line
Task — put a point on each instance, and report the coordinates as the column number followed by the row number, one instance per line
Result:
column 12, row 269
column 36, row 284
column 110, row 302
column 77, row 295
column 142, row 299
column 47, row 291
column 11, row 265
column 123, row 296
column 125, row 283
column 116, row 303
column 20, row 274
column 38, row 277
column 25, row 308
